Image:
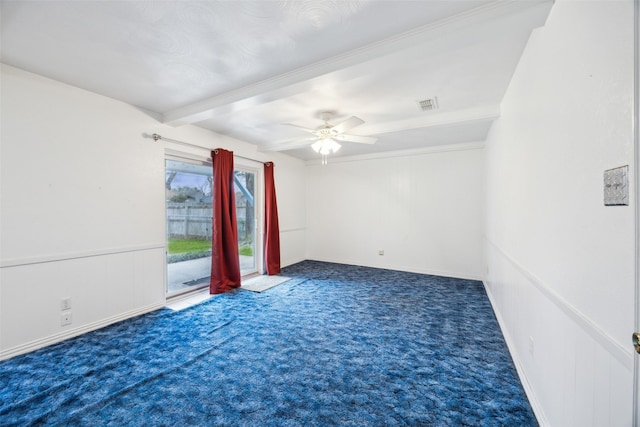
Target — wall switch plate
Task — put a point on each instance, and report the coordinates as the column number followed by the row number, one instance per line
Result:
column 616, row 186
column 65, row 318
column 65, row 304
column 531, row 345
column 380, row 251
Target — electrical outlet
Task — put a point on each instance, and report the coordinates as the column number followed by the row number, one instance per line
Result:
column 65, row 318
column 531, row 345
column 65, row 304
column 380, row 251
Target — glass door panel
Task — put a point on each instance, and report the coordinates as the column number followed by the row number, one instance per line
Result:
column 188, row 210
column 245, row 184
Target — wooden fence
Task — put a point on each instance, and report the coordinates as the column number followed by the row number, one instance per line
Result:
column 191, row 220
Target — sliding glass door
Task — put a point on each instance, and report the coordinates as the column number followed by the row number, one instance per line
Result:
column 245, row 185
column 188, row 218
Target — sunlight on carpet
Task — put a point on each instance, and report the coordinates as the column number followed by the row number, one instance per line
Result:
column 180, row 303
column 335, row 345
column 262, row 283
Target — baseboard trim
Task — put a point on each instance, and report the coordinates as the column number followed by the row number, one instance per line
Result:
column 61, row 336
column 431, row 272
column 524, row 380
column 291, row 262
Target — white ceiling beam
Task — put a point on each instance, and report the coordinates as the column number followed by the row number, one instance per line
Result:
column 303, row 78
column 434, row 118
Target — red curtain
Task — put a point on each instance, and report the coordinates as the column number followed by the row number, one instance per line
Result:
column 271, row 228
column 225, row 264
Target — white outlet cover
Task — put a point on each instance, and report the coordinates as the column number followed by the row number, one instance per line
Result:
column 65, row 319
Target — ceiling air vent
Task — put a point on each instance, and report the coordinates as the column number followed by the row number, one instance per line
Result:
column 428, row 104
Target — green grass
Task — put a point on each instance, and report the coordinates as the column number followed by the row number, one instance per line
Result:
column 180, row 246
column 245, row 250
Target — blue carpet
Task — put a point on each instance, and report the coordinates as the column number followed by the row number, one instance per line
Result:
column 336, row 345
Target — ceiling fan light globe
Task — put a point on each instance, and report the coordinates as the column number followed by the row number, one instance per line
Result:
column 317, row 146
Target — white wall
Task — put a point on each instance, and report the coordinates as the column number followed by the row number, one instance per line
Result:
column 560, row 264
column 425, row 210
column 82, row 208
column 291, row 196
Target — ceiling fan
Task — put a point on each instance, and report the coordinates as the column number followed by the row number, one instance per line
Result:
column 326, row 136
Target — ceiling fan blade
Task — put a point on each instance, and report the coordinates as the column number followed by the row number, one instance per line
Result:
column 356, row 138
column 344, row 126
column 300, row 127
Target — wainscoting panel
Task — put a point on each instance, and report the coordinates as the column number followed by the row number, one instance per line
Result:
column 292, row 245
column 103, row 288
column 573, row 372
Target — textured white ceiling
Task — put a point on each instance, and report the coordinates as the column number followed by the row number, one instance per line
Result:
column 242, row 68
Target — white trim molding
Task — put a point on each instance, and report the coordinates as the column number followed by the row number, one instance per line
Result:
column 16, row 262
column 403, row 153
column 622, row 353
column 289, row 230
column 395, row 267
column 636, row 202
column 522, row 374
column 55, row 338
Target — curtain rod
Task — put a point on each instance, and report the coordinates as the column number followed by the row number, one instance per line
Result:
column 157, row 137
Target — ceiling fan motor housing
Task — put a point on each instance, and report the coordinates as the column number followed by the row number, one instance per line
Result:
column 326, row 116
column 325, row 132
